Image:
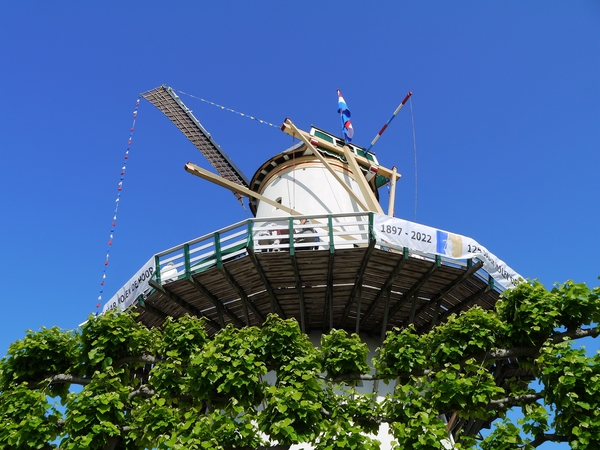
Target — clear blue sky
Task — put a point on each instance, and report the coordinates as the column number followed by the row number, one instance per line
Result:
column 506, row 108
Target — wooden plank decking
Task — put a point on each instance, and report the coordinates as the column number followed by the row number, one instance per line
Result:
column 245, row 290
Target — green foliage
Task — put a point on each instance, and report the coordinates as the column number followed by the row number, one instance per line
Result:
column 343, row 354
column 577, row 304
column 465, row 389
column 293, row 413
column 403, row 352
column 282, row 341
column 472, row 333
column 228, row 368
column 28, row 420
column 96, row 413
column 506, row 436
column 39, row 355
column 530, row 312
column 181, row 339
column 572, row 385
column 112, row 336
column 178, row 388
column 416, row 423
column 346, row 436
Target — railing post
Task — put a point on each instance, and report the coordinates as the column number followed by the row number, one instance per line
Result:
column 250, row 240
column 330, row 225
column 218, row 250
column 186, row 257
column 371, row 232
column 157, row 271
column 291, row 235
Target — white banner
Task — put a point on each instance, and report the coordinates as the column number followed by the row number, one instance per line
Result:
column 132, row 289
column 431, row 240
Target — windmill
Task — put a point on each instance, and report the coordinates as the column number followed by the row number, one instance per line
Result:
column 230, row 177
column 319, row 250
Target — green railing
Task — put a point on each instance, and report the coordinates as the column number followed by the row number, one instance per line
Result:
column 311, row 232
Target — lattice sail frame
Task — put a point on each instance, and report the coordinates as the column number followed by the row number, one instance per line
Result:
column 169, row 103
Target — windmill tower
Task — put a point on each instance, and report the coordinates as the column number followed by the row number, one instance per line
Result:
column 320, row 249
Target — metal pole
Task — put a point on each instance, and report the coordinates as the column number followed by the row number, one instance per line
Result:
column 389, row 121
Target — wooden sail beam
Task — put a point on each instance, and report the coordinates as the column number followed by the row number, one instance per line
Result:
column 364, row 162
column 167, row 101
column 209, row 176
column 220, row 181
column 331, row 170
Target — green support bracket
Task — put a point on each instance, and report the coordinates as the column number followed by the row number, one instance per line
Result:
column 491, row 282
column 438, row 260
column 371, row 232
column 218, row 251
column 405, row 253
column 186, row 256
column 330, row 225
column 157, row 264
column 469, row 263
column 140, row 300
column 291, row 235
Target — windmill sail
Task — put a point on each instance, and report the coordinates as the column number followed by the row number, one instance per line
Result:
column 167, row 101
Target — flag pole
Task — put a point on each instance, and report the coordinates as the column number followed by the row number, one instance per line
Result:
column 347, row 129
column 343, row 136
column 389, row 121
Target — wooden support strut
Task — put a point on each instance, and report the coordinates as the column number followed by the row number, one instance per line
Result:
column 221, row 308
column 358, row 283
column 391, row 205
column 154, row 310
column 438, row 298
column 185, row 305
column 413, row 290
column 275, row 306
column 321, row 158
column 303, row 315
column 365, row 189
column 388, row 282
column 246, row 302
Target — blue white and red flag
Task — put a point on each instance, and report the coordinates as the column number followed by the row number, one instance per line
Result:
column 345, row 115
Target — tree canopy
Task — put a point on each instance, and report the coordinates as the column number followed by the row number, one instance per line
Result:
column 247, row 388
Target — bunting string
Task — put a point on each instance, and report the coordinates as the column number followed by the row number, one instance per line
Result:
column 230, row 110
column 119, row 190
